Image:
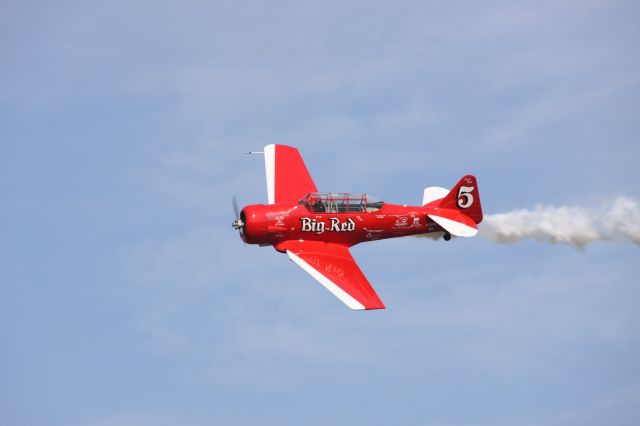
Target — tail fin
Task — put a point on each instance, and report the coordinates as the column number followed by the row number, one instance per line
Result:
column 465, row 198
column 457, row 211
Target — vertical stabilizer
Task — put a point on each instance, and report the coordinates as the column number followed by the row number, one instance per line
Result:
column 464, row 197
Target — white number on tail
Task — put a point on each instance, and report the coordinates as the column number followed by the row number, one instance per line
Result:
column 465, row 196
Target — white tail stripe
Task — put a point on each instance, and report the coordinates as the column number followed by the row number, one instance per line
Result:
column 326, row 282
column 454, row 228
column 270, row 169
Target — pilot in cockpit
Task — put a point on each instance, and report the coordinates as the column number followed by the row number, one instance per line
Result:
column 318, row 206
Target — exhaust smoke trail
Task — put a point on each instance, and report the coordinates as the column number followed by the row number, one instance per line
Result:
column 577, row 226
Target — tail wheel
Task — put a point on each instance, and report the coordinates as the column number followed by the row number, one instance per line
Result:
column 446, row 236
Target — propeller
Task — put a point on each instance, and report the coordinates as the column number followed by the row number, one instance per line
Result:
column 238, row 223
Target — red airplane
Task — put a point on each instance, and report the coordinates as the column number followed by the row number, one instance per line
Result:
column 316, row 229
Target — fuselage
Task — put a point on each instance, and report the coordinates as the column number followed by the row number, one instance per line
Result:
column 274, row 223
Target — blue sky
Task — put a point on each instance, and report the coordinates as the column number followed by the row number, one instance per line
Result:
column 127, row 299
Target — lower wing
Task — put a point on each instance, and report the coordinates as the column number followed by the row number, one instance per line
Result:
column 334, row 267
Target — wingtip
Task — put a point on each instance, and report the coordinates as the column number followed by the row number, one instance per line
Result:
column 373, row 307
column 376, row 308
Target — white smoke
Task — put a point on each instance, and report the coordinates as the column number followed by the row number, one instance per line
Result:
column 577, row 226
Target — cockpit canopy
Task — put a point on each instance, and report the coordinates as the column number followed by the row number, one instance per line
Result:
column 325, row 202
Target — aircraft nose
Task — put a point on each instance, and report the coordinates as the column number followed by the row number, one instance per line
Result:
column 241, row 224
column 254, row 224
column 238, row 223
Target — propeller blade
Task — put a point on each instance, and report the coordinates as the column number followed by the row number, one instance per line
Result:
column 235, row 207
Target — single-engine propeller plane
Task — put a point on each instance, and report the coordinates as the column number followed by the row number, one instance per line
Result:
column 315, row 229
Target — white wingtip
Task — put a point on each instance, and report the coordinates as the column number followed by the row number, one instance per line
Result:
column 270, row 169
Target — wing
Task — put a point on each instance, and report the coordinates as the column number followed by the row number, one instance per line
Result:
column 288, row 179
column 334, row 267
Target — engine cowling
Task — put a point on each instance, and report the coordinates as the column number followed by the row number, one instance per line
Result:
column 255, row 229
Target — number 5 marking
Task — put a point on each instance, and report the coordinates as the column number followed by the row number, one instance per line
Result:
column 465, row 196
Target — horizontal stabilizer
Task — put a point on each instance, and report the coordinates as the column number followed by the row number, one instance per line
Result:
column 454, row 222
column 433, row 193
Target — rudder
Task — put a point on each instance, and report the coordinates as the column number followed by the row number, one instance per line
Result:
column 465, row 198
